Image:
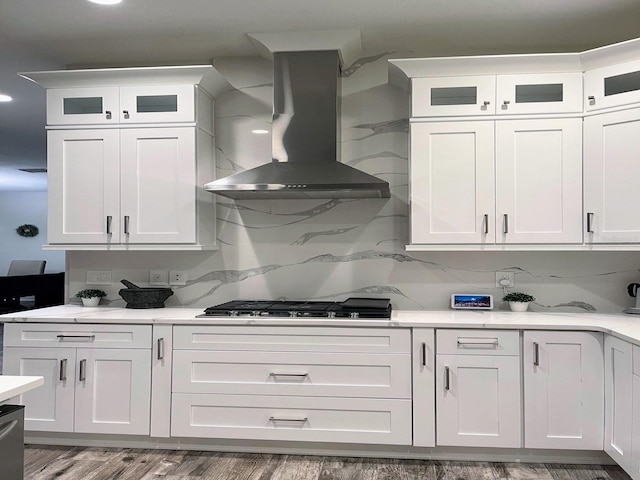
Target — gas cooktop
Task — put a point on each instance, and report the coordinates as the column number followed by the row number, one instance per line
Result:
column 351, row 308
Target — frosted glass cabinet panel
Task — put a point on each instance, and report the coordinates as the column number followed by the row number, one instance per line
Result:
column 612, row 86
column 81, row 106
column 453, row 96
column 540, row 93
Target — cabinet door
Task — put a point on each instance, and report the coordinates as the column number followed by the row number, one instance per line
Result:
column 442, row 96
column 563, row 390
column 158, row 185
column 113, row 391
column 452, row 186
column 618, row 406
column 83, row 186
column 635, row 440
column 612, row 86
column 157, row 103
column 612, row 177
column 539, row 181
column 539, row 93
column 49, row 408
column 424, row 421
column 478, row 401
column 82, row 106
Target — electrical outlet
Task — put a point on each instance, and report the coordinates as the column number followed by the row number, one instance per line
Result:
column 98, row 277
column 158, row 277
column 505, row 279
column 177, row 277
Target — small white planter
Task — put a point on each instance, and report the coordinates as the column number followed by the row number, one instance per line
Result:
column 519, row 306
column 90, row 302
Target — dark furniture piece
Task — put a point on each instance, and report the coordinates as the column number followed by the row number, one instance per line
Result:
column 12, row 442
column 47, row 289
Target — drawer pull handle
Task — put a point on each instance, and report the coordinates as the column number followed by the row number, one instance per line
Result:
column 83, row 370
column 289, row 375
column 485, row 223
column 109, row 221
column 76, row 337
column 295, row 420
column 63, row 370
column 126, row 224
column 589, row 222
column 536, row 354
column 505, row 223
column 424, row 354
column 447, row 379
column 478, row 342
column 160, row 348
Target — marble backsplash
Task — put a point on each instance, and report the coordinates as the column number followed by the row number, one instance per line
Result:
column 333, row 249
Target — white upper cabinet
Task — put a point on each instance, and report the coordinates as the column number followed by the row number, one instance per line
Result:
column 113, row 105
column 611, row 177
column 612, row 86
column 497, row 95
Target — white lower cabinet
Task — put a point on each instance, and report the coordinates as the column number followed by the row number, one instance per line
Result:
column 635, row 427
column 563, row 390
column 287, row 383
column 424, row 395
column 618, row 368
column 88, row 388
column 478, row 388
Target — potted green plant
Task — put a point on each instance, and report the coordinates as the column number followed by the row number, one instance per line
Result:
column 90, row 296
column 518, row 301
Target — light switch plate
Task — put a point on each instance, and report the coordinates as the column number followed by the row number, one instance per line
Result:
column 98, row 277
column 158, row 277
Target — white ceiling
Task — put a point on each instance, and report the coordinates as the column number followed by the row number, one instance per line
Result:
column 45, row 35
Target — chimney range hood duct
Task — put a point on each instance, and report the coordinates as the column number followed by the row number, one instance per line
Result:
column 305, row 138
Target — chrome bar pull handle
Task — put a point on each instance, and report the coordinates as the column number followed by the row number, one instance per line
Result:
column 161, row 349
column 424, row 354
column 447, row 379
column 536, row 354
column 83, row 370
column 289, row 375
column 125, row 113
column 483, row 342
column 76, row 337
column 505, row 223
column 485, row 223
column 126, row 224
column 63, row 370
column 109, row 221
column 283, row 419
column 589, row 222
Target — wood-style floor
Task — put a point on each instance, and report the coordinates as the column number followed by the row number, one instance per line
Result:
column 79, row 463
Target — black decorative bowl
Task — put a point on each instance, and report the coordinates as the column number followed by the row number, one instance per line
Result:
column 147, row 297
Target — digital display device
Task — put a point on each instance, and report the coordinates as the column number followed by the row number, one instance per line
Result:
column 472, row 301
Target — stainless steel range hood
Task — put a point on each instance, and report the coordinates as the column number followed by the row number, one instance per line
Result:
column 305, row 138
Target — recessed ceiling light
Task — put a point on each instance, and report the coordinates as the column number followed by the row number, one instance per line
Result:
column 260, row 131
column 106, row 2
column 5, row 98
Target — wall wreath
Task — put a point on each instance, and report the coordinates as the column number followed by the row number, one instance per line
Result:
column 27, row 230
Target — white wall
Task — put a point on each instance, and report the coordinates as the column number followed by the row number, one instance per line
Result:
column 19, row 208
column 333, row 249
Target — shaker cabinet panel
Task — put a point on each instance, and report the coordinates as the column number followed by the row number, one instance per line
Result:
column 452, row 182
column 442, row 96
column 539, row 93
column 612, row 86
column 563, row 390
column 611, row 177
column 424, row 407
column 83, row 185
column 539, row 181
column 157, row 103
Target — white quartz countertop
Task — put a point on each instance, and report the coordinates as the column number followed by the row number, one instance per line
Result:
column 10, row 386
column 622, row 325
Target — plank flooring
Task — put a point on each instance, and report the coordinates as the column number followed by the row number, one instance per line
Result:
column 81, row 463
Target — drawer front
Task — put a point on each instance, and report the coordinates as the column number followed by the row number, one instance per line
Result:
column 72, row 335
column 347, row 420
column 293, row 339
column 636, row 360
column 292, row 373
column 478, row 342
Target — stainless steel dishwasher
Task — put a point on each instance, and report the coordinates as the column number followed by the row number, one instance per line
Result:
column 12, row 442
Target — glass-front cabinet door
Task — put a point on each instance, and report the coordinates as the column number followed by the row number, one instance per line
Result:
column 442, row 96
column 157, row 103
column 612, row 86
column 539, row 93
column 78, row 106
